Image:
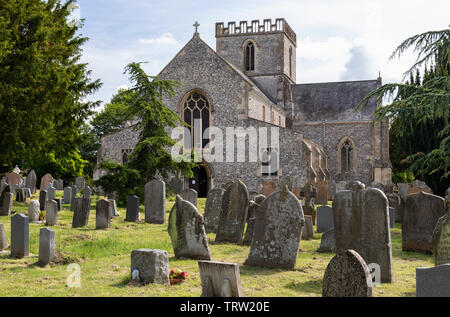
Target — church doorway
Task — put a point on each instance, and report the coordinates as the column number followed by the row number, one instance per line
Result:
column 200, row 181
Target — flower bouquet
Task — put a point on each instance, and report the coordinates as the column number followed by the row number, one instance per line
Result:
column 177, row 276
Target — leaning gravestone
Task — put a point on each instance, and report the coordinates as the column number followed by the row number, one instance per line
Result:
column 67, row 195
column 347, row 275
column 102, row 216
column 233, row 214
column 308, row 229
column 433, row 281
column 251, row 221
column 212, row 209
column 155, row 202
column 80, row 182
column 361, row 223
column 220, row 279
column 7, row 203
column 42, row 199
column 19, row 236
column 151, row 265
column 34, row 211
column 441, row 241
column 328, row 243
column 30, row 181
column 187, row 232
column 82, row 208
column 51, row 213
column 45, row 180
column 132, row 209
column 269, row 188
column 3, row 241
column 325, row 219
column 277, row 232
column 190, row 195
column 420, row 216
column 46, row 246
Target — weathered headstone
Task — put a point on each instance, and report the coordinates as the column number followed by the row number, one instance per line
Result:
column 251, row 221
column 155, row 202
column 113, row 208
column 42, row 199
column 394, row 202
column 87, row 192
column 103, row 217
column 220, row 279
column 391, row 217
column 331, row 190
column 19, row 236
column 74, row 195
column 80, row 182
column 67, row 195
column 51, row 213
column 46, row 246
column 341, row 186
column 355, row 185
column 322, row 192
column 212, row 209
column 20, row 195
column 3, row 241
column 27, row 192
column 13, row 179
column 276, row 237
column 433, row 281
column 59, row 203
column 190, row 195
column 347, row 275
column 269, row 188
column 233, row 214
column 325, row 219
column 308, row 195
column 45, row 180
column 441, row 241
column 152, row 265
column 3, row 184
column 420, row 216
column 82, row 208
column 132, row 209
column 403, row 189
column 7, row 203
column 187, row 232
column 328, row 242
column 51, row 193
column 59, row 184
column 30, row 181
column 308, row 229
column 34, row 211
column 176, row 185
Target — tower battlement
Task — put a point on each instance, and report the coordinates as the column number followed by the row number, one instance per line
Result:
column 267, row 26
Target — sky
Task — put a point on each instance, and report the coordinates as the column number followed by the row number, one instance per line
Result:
column 337, row 40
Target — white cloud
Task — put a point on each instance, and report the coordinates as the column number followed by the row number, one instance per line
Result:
column 164, row 39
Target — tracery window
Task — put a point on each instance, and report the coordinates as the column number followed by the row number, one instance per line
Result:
column 196, row 111
column 290, row 61
column 250, row 57
column 125, row 154
column 347, row 156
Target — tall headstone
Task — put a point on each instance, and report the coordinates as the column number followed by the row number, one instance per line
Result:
column 82, row 208
column 441, row 241
column 67, row 195
column 30, row 181
column 190, row 195
column 151, row 265
column 433, row 281
column 176, row 185
column 51, row 193
column 34, row 211
column 420, row 216
column 13, row 179
column 19, row 236
column 308, row 194
column 51, row 213
column 7, row 203
column 308, row 229
column 87, row 192
column 347, row 275
column 277, row 232
column 322, row 192
column 325, row 219
column 212, row 209
column 220, row 279
column 233, row 214
column 394, row 202
column 80, row 182
column 269, row 188
column 74, row 195
column 132, row 209
column 103, row 217
column 187, row 232
column 155, row 202
column 3, row 241
column 20, row 195
column 251, row 221
column 45, row 180
column 42, row 199
column 46, row 246
column 391, row 217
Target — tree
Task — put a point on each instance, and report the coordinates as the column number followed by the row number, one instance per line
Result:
column 420, row 110
column 42, row 88
column 151, row 157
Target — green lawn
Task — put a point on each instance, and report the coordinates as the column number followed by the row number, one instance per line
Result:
column 104, row 257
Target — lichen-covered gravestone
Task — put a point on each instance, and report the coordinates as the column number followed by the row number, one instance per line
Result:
column 325, row 219
column 328, row 242
column 220, row 279
column 308, row 229
column 30, row 181
column 441, row 241
column 152, row 265
column 80, row 182
column 420, row 216
column 233, row 214
column 19, row 236
column 34, row 211
column 46, row 246
column 102, row 215
column 132, row 209
column 45, row 180
column 155, row 202
column 82, row 207
column 51, row 213
column 251, row 221
column 187, row 232
column 176, row 185
column 67, row 195
column 190, row 195
column 212, row 209
column 276, row 237
column 433, row 281
column 347, row 275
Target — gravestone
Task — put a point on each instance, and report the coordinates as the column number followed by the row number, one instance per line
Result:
column 331, row 190
column 378, row 186
column 187, row 232
column 341, row 186
column 102, row 215
column 13, row 179
column 80, row 182
column 87, row 192
column 394, row 202
column 403, row 189
column 20, row 195
column 190, row 195
column 42, row 199
column 220, row 279
column 176, row 185
column 59, row 184
column 7, row 203
column 113, row 208
column 259, row 199
column 51, row 193
column 46, row 246
column 155, row 202
column 45, row 180
column 308, row 194
column 59, row 203
column 308, row 229
column 328, row 242
column 322, row 193
column 27, row 192
column 233, row 214
column 19, row 236
column 278, row 227
column 355, row 185
column 51, row 213
column 30, row 181
column 132, row 209
column 325, row 219
column 361, row 223
column 251, row 221
column 433, row 281
column 74, row 195
column 3, row 241
column 420, row 217
column 347, row 275
column 67, row 195
column 269, row 188
column 391, row 217
column 441, row 241
column 152, row 265
column 212, row 209
column 3, row 184
column 82, row 208
column 34, row 211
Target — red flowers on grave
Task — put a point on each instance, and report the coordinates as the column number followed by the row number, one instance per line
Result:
column 177, row 276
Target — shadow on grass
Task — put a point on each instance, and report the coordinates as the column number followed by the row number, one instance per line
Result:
column 311, row 286
column 123, row 283
column 257, row 271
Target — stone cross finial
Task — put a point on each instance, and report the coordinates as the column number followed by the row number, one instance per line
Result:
column 196, row 25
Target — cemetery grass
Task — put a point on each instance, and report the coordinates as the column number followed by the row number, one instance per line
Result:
column 104, row 258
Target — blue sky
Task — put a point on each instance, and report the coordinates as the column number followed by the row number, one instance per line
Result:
column 337, row 39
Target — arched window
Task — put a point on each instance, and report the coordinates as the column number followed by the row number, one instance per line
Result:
column 250, row 56
column 347, row 156
column 125, row 154
column 196, row 113
column 290, row 61
column 264, row 113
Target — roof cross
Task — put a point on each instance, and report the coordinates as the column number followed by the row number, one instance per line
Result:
column 196, row 25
